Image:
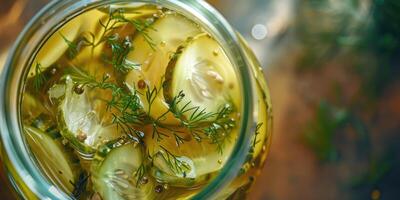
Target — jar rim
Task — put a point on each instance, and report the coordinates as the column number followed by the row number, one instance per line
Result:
column 11, row 87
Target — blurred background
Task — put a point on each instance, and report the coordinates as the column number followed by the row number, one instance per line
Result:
column 334, row 72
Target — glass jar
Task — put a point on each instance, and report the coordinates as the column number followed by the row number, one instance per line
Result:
column 250, row 150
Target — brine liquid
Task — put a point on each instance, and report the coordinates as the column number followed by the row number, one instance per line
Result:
column 137, row 102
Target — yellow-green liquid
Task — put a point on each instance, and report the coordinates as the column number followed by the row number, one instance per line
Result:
column 80, row 116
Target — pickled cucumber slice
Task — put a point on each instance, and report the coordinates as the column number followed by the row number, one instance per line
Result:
column 205, row 75
column 114, row 176
column 189, row 165
column 52, row 158
column 167, row 33
column 133, row 10
column 55, row 46
column 182, row 173
column 79, row 121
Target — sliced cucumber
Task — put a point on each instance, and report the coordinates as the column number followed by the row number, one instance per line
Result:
column 205, row 75
column 133, row 10
column 114, row 176
column 183, row 175
column 167, row 34
column 52, row 158
column 79, row 121
column 202, row 159
column 55, row 46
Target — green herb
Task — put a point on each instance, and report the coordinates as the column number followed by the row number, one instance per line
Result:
column 142, row 26
column 39, row 78
column 89, row 38
column 81, row 77
column 220, row 129
column 107, row 28
column 250, row 155
column 198, row 115
column 159, row 131
column 198, row 122
column 140, row 174
column 255, row 140
column 179, row 139
column 72, row 47
column 120, row 50
column 151, row 95
column 176, row 164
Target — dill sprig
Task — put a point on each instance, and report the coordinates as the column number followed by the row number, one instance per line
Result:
column 159, row 132
column 198, row 115
column 125, row 125
column 151, row 95
column 176, row 165
column 179, row 140
column 250, row 156
column 142, row 26
column 81, row 77
column 120, row 49
column 214, row 125
column 140, row 174
column 72, row 47
column 108, row 26
column 255, row 140
column 39, row 79
column 89, row 39
column 219, row 129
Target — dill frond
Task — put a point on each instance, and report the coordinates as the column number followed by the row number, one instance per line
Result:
column 151, row 95
column 213, row 125
column 255, row 140
column 39, row 79
column 142, row 26
column 120, row 49
column 140, row 174
column 72, row 47
column 179, row 140
column 176, row 165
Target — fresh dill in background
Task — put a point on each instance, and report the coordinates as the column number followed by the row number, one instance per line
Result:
column 372, row 42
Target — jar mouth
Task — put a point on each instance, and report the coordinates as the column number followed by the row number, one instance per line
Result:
column 55, row 14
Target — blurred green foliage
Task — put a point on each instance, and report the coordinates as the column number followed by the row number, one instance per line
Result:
column 373, row 44
column 378, row 168
column 320, row 133
column 382, row 42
